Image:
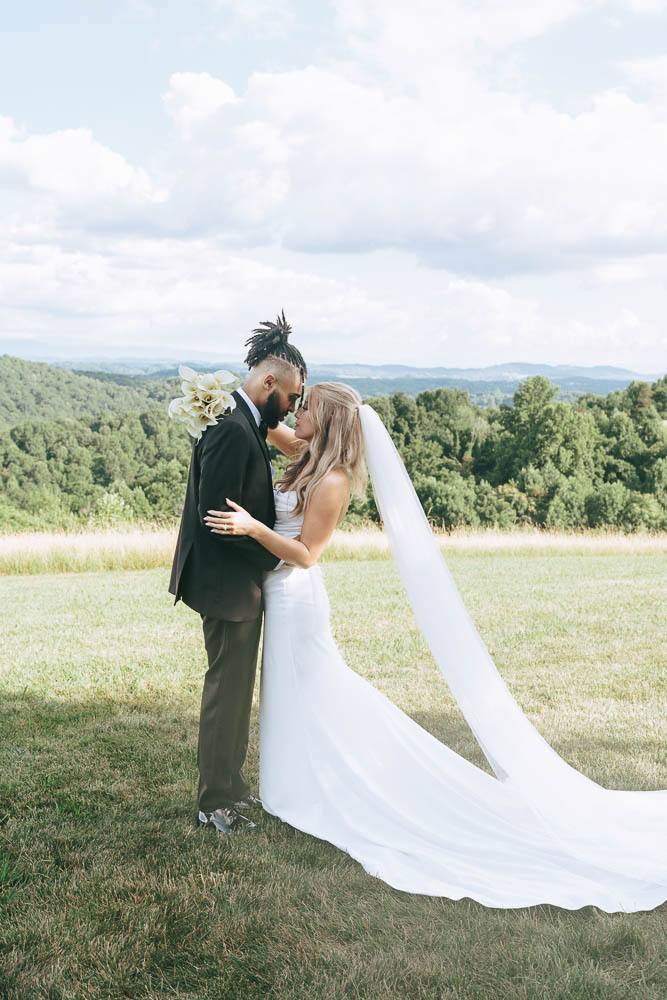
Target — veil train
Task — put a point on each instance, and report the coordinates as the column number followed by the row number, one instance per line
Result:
column 620, row 831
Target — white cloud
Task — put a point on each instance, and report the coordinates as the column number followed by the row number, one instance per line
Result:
column 254, row 10
column 408, row 148
column 193, row 98
column 139, row 9
column 472, row 179
column 631, row 270
column 645, row 6
column 175, row 297
column 74, row 174
column 322, row 161
column 651, row 75
column 163, row 290
column 430, row 43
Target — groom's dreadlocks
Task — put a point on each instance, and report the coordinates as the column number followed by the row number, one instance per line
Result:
column 270, row 340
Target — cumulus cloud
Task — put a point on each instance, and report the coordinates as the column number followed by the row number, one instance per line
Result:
column 406, row 146
column 650, row 74
column 391, row 30
column 139, row 9
column 73, row 177
column 425, row 156
column 409, row 146
column 175, row 297
column 163, row 289
column 630, row 270
column 255, row 10
column 645, row 6
column 193, row 98
column 322, row 161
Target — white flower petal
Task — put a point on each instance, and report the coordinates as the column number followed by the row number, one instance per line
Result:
column 193, row 431
column 206, row 382
column 213, row 408
column 176, row 407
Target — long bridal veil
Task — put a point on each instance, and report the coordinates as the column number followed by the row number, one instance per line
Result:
column 619, row 831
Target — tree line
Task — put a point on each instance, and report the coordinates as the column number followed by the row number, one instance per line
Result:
column 598, row 461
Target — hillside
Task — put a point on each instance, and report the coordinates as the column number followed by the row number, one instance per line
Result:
column 32, row 390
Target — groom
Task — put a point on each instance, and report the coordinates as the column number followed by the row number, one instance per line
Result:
column 221, row 578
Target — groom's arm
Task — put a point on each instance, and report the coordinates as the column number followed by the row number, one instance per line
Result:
column 223, row 458
column 284, row 439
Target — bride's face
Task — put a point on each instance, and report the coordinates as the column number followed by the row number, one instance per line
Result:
column 304, row 427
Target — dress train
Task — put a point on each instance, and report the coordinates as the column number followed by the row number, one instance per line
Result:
column 339, row 761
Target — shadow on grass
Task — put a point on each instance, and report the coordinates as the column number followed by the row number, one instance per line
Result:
column 80, row 758
column 110, row 892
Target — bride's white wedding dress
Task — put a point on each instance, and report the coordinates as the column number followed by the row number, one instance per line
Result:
column 339, row 761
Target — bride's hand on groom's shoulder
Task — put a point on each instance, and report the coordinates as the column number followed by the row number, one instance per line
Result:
column 234, row 522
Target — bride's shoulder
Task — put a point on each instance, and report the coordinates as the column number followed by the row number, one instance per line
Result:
column 335, row 483
column 335, row 478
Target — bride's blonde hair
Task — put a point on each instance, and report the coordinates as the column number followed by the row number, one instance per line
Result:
column 337, row 443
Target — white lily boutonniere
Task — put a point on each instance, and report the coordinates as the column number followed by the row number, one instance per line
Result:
column 204, row 399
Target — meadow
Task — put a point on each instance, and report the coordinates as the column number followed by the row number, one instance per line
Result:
column 107, row 889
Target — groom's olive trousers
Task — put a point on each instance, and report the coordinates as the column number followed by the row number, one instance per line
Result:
column 226, row 701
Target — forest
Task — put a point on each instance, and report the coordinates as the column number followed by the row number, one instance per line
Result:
column 112, row 456
column 30, row 389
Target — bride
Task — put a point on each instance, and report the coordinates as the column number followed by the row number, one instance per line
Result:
column 339, row 761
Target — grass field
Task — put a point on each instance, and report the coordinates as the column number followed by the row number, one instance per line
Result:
column 107, row 890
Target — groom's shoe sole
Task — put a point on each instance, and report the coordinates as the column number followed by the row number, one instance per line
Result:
column 225, row 821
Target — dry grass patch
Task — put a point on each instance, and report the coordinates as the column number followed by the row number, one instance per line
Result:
column 152, row 547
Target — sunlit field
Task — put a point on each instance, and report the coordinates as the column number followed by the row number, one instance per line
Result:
column 149, row 547
column 106, row 888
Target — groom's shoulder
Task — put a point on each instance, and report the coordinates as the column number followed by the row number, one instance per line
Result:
column 232, row 427
column 236, row 423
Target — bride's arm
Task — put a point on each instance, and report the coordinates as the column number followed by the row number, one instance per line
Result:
column 284, row 439
column 323, row 513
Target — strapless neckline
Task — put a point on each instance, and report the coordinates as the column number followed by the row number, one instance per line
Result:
column 287, row 523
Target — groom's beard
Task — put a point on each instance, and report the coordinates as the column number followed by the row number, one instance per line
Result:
column 272, row 412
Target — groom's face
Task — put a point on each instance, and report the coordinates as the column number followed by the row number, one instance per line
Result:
column 283, row 395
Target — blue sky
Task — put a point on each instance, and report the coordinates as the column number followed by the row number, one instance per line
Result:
column 105, row 64
column 434, row 182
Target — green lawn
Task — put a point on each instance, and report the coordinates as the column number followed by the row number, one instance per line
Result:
column 107, row 890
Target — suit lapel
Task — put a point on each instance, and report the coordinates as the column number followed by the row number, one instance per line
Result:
column 245, row 410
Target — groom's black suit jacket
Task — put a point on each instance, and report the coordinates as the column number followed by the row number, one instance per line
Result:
column 217, row 576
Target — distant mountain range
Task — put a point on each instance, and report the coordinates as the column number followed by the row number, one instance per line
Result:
column 32, row 390
column 510, row 372
column 488, row 386
column 492, row 373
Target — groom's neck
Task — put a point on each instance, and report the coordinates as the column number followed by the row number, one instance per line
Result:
column 253, row 392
